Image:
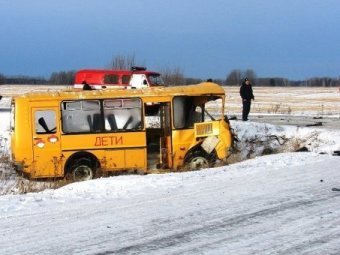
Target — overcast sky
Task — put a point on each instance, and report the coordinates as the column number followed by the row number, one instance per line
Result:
column 296, row 39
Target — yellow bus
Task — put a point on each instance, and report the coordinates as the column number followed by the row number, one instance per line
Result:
column 81, row 134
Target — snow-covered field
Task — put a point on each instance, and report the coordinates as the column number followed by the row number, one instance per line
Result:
column 274, row 204
column 301, row 101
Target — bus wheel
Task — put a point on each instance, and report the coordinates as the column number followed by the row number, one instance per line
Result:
column 197, row 160
column 81, row 170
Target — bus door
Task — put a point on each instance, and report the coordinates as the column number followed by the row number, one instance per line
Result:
column 166, row 140
column 46, row 142
column 158, row 135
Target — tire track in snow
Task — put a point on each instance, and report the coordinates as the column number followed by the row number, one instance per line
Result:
column 221, row 224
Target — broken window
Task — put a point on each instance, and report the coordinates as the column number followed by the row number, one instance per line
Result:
column 185, row 114
column 213, row 109
column 152, row 115
column 189, row 110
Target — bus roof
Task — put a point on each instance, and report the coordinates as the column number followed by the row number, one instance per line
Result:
column 205, row 88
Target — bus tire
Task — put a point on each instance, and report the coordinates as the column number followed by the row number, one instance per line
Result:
column 199, row 159
column 82, row 169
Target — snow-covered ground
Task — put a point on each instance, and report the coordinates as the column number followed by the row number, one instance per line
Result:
column 277, row 204
column 274, row 204
column 261, row 138
column 302, row 101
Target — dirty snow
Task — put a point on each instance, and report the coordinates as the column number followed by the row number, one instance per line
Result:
column 257, row 138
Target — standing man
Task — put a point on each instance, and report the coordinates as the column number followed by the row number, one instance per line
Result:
column 246, row 93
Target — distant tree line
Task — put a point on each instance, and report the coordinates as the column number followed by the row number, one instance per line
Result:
column 56, row 78
column 236, row 77
column 22, row 79
column 62, row 78
column 175, row 76
column 312, row 82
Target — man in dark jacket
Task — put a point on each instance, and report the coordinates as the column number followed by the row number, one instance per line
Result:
column 246, row 93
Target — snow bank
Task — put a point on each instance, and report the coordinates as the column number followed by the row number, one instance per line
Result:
column 256, row 139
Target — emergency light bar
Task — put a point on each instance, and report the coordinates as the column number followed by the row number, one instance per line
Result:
column 138, row 68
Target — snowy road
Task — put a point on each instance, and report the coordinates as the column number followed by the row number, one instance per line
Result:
column 278, row 204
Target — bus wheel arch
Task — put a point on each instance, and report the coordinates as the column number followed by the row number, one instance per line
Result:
column 197, row 158
column 81, row 166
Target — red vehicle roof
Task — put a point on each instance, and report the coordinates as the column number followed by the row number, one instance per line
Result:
column 96, row 76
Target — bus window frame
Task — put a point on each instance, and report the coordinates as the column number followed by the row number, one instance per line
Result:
column 102, row 115
column 216, row 97
column 37, row 125
column 141, row 126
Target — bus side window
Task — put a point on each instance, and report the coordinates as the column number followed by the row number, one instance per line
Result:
column 97, row 124
column 183, row 112
column 45, row 122
column 81, row 116
column 187, row 111
column 122, row 114
column 111, row 118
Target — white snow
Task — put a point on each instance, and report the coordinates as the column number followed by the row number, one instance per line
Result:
column 255, row 137
column 280, row 204
column 275, row 204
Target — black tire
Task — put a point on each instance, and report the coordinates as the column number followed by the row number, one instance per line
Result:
column 199, row 159
column 82, row 169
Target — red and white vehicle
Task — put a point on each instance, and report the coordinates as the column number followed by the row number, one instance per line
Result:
column 137, row 77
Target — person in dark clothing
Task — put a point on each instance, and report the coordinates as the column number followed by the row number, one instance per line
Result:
column 246, row 93
column 86, row 86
